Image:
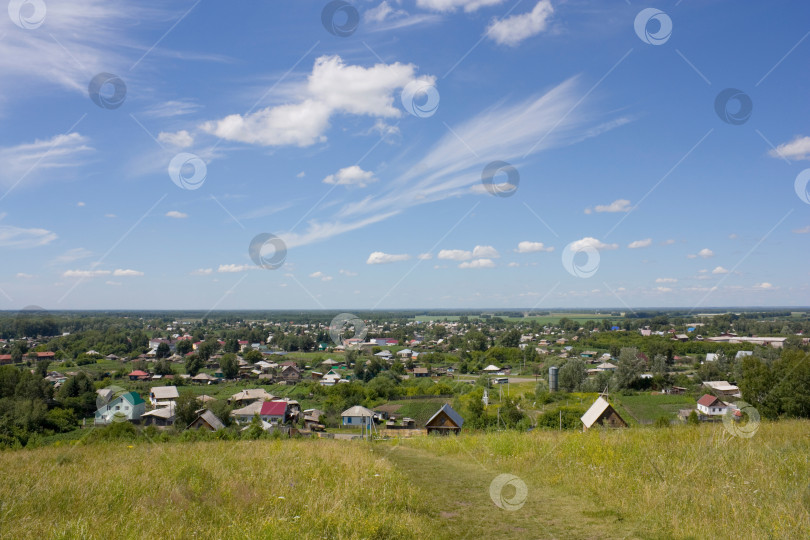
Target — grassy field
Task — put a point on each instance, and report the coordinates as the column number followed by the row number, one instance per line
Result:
column 646, row 408
column 678, row 482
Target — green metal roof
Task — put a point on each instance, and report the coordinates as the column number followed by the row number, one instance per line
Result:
column 133, row 397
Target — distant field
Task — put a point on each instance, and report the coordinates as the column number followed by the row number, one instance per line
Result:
column 646, row 408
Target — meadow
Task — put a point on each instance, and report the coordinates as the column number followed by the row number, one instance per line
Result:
column 677, row 482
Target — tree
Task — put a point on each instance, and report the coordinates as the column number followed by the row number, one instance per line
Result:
column 163, row 351
column 183, row 347
column 693, row 419
column 194, row 364
column 229, row 365
column 659, row 365
column 510, row 338
column 572, row 374
column 185, row 410
column 252, row 356
column 163, row 367
column 629, row 367
column 231, row 346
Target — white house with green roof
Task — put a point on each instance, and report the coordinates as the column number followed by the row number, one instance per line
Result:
column 128, row 406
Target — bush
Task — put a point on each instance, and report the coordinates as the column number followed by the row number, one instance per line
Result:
column 662, row 421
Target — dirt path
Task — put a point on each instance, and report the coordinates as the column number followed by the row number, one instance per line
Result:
column 464, row 509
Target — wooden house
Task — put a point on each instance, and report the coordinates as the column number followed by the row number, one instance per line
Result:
column 602, row 413
column 207, row 420
column 445, row 421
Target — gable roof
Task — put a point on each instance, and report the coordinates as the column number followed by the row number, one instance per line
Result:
column 597, row 409
column 165, row 392
column 357, row 410
column 273, row 408
column 449, row 411
column 162, row 412
column 138, row 373
column 249, row 410
column 212, row 420
column 133, row 398
column 251, row 393
column 708, row 400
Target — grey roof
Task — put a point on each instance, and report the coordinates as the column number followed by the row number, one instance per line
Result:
column 454, row 416
column 212, row 420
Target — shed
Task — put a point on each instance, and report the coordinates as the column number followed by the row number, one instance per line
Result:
column 207, row 420
column 163, row 416
column 445, row 421
column 602, row 413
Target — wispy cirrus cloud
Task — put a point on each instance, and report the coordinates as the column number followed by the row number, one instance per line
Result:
column 35, row 159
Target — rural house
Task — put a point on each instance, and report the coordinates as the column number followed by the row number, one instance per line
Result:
column 445, row 421
column 163, row 416
column 207, row 420
column 128, row 406
column 274, row 412
column 163, row 396
column 601, row 413
column 356, row 416
column 711, row 405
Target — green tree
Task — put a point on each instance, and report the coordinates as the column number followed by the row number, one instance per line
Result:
column 185, row 411
column 572, row 374
column 163, row 351
column 231, row 345
column 194, row 364
column 252, row 356
column 229, row 365
column 183, row 347
column 630, row 366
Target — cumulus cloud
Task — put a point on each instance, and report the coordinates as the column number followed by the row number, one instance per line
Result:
column 647, row 242
column 347, row 273
column 592, row 243
column 478, row 263
column 351, row 176
column 234, row 268
column 176, row 214
column 705, row 253
column 85, row 273
column 532, row 247
column 18, row 237
column 666, row 280
column 719, row 270
column 179, row 139
column 23, row 275
column 798, row 148
column 378, row 257
column 424, row 256
column 320, row 275
column 127, row 273
column 619, row 205
column 513, row 265
column 668, row 242
column 516, row 28
column 663, row 289
column 764, row 286
column 333, row 87
column 202, row 272
column 479, row 252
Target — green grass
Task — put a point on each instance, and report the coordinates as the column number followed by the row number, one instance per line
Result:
column 645, row 408
column 419, row 409
column 677, row 482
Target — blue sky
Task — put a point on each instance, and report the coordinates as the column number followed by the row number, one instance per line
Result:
column 364, row 154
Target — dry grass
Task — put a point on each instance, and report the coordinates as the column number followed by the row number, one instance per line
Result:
column 261, row 489
column 681, row 482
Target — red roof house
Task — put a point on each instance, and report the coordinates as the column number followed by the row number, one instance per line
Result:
column 273, row 411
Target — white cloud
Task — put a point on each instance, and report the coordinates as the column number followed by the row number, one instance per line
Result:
column 532, row 247
column 733, row 236
column 719, row 270
column 351, row 176
column 619, row 205
column 301, row 174
column 378, row 257
column 666, row 280
column 478, row 263
column 452, row 5
column 332, row 87
column 663, row 289
column 478, row 252
column 382, row 12
column 348, row 273
column 798, row 148
column 636, row 244
column 513, row 265
column 487, row 252
column 85, row 273
column 42, row 157
column 17, row 237
column 80, row 204
column 320, row 275
column 233, row 268
column 803, row 230
column 179, row 139
column 23, row 275
column 668, row 242
column 202, row 272
column 515, row 28
column 173, row 108
column 589, row 242
column 71, row 255
column 424, row 256
column 705, row 253
column 764, row 286
column 176, row 214
column 127, row 273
